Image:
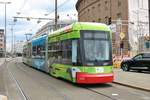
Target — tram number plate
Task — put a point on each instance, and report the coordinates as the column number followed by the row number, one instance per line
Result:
column 100, row 70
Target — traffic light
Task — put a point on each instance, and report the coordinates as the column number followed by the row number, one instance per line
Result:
column 109, row 20
column 28, row 18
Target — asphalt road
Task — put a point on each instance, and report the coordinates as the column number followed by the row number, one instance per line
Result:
column 20, row 82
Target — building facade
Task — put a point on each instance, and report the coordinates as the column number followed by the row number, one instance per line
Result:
column 19, row 47
column 1, row 42
column 128, row 20
column 114, row 12
column 50, row 27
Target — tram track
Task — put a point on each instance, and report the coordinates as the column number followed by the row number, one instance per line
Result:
column 133, row 87
column 100, row 93
column 113, row 94
column 91, row 90
column 66, row 98
column 24, row 69
column 11, row 75
column 37, row 81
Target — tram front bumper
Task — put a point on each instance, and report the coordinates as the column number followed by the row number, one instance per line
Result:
column 85, row 78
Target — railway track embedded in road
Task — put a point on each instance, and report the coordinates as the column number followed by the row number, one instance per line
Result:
column 37, row 81
column 17, row 83
column 110, row 96
column 100, row 93
column 133, row 87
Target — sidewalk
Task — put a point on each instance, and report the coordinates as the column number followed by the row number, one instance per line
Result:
column 2, row 61
column 133, row 79
column 2, row 87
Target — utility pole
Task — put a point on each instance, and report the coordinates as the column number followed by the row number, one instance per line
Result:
column 5, row 3
column 149, row 15
column 12, row 31
column 55, row 14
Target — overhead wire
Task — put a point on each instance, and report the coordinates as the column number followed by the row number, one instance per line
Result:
column 22, row 6
column 59, row 6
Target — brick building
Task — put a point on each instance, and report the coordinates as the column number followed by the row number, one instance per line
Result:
column 1, row 42
column 109, row 12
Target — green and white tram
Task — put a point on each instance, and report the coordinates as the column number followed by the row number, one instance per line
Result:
column 81, row 53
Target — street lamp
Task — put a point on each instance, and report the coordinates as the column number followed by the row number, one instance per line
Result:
column 12, row 47
column 5, row 3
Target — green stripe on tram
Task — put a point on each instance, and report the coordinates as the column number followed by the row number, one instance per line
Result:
column 75, row 31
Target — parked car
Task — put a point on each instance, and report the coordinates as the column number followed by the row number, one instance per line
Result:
column 140, row 62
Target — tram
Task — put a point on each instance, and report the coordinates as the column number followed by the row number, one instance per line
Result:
column 80, row 53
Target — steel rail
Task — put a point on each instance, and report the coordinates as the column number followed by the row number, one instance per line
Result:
column 17, row 83
column 51, row 87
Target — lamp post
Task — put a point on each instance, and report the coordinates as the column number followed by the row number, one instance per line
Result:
column 5, row 3
column 12, row 47
column 149, row 15
column 56, row 14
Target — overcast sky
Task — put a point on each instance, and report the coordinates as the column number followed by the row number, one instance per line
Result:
column 33, row 8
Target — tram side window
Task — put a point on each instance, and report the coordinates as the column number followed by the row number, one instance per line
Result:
column 24, row 52
column 67, row 52
column 34, row 51
column 55, row 52
column 29, row 48
column 28, row 52
column 61, row 52
column 40, row 51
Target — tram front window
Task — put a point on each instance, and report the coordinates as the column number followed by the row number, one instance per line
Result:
column 96, row 50
column 96, row 47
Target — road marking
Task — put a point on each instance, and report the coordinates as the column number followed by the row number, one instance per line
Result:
column 114, row 94
column 2, row 97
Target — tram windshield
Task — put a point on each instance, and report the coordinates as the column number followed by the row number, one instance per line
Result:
column 96, row 46
column 96, row 50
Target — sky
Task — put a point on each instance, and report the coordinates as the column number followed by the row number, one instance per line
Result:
column 32, row 8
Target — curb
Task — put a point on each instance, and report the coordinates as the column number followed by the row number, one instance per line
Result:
column 2, row 97
column 135, row 87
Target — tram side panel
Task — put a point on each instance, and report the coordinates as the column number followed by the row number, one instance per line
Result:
column 27, row 59
column 39, row 54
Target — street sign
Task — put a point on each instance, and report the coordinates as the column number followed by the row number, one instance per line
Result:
column 122, row 35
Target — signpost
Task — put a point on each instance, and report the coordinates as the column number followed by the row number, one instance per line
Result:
column 122, row 35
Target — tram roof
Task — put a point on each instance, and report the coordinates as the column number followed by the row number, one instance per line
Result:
column 39, row 40
column 80, row 26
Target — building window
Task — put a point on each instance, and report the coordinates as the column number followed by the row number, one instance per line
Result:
column 106, row 5
column 119, row 3
column 118, row 15
column 106, row 2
